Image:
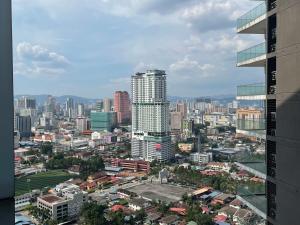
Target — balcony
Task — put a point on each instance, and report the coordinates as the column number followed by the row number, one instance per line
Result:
column 258, row 168
column 254, row 21
column 251, row 124
column 251, row 92
column 254, row 197
column 252, row 57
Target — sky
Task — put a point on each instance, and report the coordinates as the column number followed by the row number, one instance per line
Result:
column 90, row 48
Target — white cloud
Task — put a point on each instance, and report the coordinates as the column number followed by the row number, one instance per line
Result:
column 188, row 68
column 34, row 60
column 141, row 67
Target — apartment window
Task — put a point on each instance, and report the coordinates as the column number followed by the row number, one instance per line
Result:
column 271, row 158
column 271, row 75
column 271, row 200
column 272, row 4
column 272, row 37
column 271, row 117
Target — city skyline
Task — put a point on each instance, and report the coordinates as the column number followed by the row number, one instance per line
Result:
column 192, row 48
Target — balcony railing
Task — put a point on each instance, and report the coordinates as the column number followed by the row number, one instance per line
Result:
column 251, row 53
column 251, row 90
column 251, row 124
column 255, row 197
column 252, row 15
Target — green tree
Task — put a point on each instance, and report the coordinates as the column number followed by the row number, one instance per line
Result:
column 93, row 214
column 47, row 149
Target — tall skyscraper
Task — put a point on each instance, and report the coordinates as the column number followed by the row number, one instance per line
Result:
column 182, row 107
column 70, row 112
column 122, row 106
column 81, row 124
column 99, row 106
column 176, row 121
column 150, row 117
column 26, row 103
column 50, row 104
column 80, row 109
column 107, row 105
column 23, row 125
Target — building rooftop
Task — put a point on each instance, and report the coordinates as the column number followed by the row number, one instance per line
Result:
column 51, row 198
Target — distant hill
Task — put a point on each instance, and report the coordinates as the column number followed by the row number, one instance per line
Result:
column 77, row 99
column 40, row 99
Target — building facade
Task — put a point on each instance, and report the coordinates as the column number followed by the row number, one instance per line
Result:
column 23, row 125
column 65, row 204
column 122, row 106
column 81, row 124
column 279, row 55
column 103, row 121
column 176, row 121
column 150, row 117
column 107, row 103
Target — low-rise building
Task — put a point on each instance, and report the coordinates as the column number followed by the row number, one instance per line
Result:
column 137, row 204
column 64, row 203
column 22, row 201
column 202, row 158
column 135, row 165
column 186, row 147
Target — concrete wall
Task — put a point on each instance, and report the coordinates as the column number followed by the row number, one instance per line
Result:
column 6, row 98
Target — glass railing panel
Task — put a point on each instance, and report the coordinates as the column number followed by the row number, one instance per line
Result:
column 251, row 89
column 251, row 124
column 252, row 15
column 255, row 194
column 251, row 53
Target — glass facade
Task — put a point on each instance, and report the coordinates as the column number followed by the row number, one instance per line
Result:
column 103, row 121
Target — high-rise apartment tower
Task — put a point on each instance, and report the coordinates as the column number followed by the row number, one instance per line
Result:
column 150, row 116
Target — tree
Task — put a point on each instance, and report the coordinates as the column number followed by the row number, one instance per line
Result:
column 93, row 214
column 47, row 149
column 163, row 207
column 141, row 216
column 117, row 218
column 194, row 215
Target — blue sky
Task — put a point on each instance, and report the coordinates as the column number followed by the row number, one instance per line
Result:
column 90, row 48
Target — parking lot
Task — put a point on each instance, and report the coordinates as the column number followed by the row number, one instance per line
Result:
column 162, row 192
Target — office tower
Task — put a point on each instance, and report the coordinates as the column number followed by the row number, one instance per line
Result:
column 23, row 125
column 103, row 121
column 188, row 127
column 99, row 106
column 182, row 107
column 150, row 117
column 50, row 104
column 81, row 124
column 122, row 106
column 107, row 105
column 70, row 108
column 26, row 103
column 80, row 109
column 176, row 121
column 278, row 21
